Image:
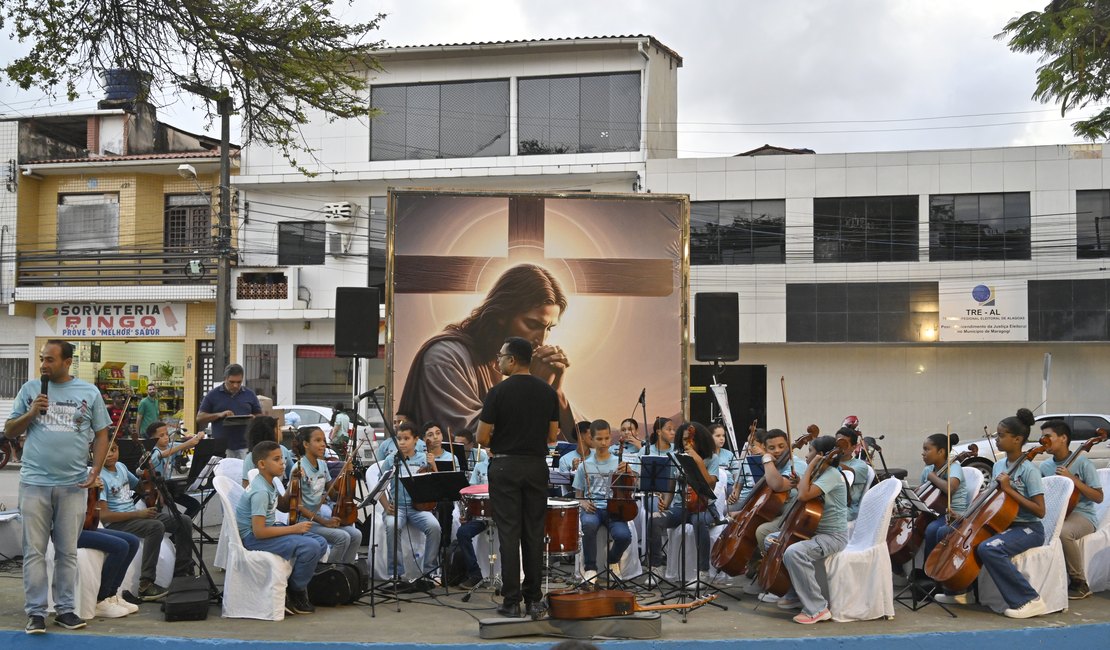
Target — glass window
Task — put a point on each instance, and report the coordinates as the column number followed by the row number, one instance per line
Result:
column 1069, row 310
column 1092, row 224
column 440, row 120
column 979, row 227
column 300, row 243
column 580, row 114
column 869, row 229
column 738, row 232
column 874, row 312
column 1083, row 427
column 13, row 374
column 88, row 221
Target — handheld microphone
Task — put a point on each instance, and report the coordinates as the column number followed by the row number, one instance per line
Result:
column 370, row 392
column 45, row 379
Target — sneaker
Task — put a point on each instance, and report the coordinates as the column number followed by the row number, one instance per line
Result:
column 721, row 579
column 132, row 608
column 589, row 575
column 289, row 604
column 806, row 619
column 767, row 597
column 1035, row 607
column 130, row 598
column 299, row 601
column 471, row 582
column 615, row 569
column 536, row 610
column 965, row 598
column 753, row 588
column 35, row 625
column 1078, row 590
column 152, row 592
column 108, row 609
column 69, row 621
column 789, row 602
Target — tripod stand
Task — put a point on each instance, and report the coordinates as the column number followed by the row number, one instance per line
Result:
column 655, row 478
column 918, row 597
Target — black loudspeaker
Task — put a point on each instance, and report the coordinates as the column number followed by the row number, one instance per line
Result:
column 717, row 326
column 356, row 322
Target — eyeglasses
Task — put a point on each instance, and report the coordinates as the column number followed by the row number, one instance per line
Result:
column 502, row 355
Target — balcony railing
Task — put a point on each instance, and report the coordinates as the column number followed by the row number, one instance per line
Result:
column 117, row 268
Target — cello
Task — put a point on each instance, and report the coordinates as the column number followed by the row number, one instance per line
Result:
column 736, row 545
column 1100, row 436
column 621, row 504
column 907, row 533
column 953, row 563
column 799, row 524
column 92, row 502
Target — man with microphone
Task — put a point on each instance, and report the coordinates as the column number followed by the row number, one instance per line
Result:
column 61, row 416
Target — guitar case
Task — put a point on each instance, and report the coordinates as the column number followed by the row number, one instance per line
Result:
column 338, row 584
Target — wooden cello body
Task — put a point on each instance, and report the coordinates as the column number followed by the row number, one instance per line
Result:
column 799, row 524
column 735, row 546
column 953, row 563
column 576, row 605
column 907, row 534
column 1099, row 437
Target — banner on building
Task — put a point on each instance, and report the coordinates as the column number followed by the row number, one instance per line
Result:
column 995, row 310
column 597, row 283
column 110, row 320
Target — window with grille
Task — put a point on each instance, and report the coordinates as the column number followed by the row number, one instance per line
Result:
column 440, row 120
column 979, row 227
column 188, row 222
column 865, row 229
column 301, row 243
column 13, row 374
column 579, row 114
column 88, row 221
column 738, row 232
column 206, row 368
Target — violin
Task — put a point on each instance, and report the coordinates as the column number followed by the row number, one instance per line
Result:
column 621, row 505
column 152, row 496
column 575, row 604
column 799, row 524
column 293, row 492
column 906, row 534
column 1100, row 436
column 92, row 502
column 695, row 503
column 953, row 563
column 344, row 485
column 736, row 545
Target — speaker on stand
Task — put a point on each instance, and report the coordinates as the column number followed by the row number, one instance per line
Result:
column 716, row 331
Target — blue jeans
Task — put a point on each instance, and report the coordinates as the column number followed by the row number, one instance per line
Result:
column 428, row 525
column 619, row 533
column 119, row 549
column 995, row 554
column 304, row 551
column 56, row 513
column 467, row 532
column 937, row 530
column 675, row 515
column 344, row 542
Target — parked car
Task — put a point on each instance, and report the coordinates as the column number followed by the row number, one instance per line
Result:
column 321, row 416
column 1083, row 427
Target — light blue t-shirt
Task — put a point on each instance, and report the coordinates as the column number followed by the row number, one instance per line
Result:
column 163, row 466
column 859, row 484
column 342, row 424
column 409, row 467
column 313, row 483
column 480, row 474
column 57, row 447
column 475, row 456
column 834, row 519
column 286, row 457
column 795, row 465
column 261, row 498
column 117, row 491
column 1027, row 481
column 725, row 457
column 387, row 447
column 955, row 471
column 595, row 477
column 1085, row 470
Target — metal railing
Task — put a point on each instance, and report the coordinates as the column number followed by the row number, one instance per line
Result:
column 137, row 266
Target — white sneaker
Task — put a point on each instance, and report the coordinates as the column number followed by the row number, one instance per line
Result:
column 721, row 579
column 107, row 609
column 1035, row 607
column 589, row 575
column 965, row 598
column 615, row 569
column 130, row 607
column 768, row 597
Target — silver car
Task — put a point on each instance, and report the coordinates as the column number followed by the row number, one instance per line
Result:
column 1083, row 427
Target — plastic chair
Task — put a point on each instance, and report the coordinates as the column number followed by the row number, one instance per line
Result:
column 973, row 481
column 255, row 583
column 90, row 564
column 1043, row 566
column 860, row 579
column 410, row 544
column 1095, row 547
column 163, row 574
column 232, row 468
column 685, row 533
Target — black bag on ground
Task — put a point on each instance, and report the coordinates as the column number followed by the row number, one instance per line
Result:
column 455, row 572
column 187, row 599
column 337, row 584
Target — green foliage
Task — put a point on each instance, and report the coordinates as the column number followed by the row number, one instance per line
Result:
column 1072, row 38
column 278, row 59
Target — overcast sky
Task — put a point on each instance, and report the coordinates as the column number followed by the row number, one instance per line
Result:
column 845, row 75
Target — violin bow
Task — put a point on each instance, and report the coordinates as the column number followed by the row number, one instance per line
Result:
column 786, row 414
column 948, row 464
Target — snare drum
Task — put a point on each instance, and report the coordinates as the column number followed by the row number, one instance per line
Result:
column 560, row 527
column 476, row 502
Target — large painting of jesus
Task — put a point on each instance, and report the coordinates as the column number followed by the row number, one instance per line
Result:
column 597, row 283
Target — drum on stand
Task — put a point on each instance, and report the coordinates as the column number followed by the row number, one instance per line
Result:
column 560, row 527
column 476, row 502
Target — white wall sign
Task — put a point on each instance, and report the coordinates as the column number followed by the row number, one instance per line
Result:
column 994, row 310
column 110, row 321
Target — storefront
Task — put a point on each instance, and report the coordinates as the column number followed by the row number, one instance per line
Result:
column 126, row 347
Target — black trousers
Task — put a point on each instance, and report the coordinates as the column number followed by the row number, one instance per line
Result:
column 518, row 498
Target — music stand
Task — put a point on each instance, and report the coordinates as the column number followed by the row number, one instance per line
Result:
column 436, row 487
column 458, row 450
column 919, row 598
column 206, row 455
column 655, row 477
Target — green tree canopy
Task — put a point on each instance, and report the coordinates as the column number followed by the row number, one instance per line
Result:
column 276, row 59
column 1073, row 40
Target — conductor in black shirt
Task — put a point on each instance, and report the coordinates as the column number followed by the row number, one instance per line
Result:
column 520, row 416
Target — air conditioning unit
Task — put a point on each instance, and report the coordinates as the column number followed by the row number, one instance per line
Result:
column 339, row 243
column 341, row 212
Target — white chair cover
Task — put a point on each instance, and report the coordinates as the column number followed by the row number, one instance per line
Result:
column 973, row 481
column 686, row 533
column 232, row 468
column 163, row 574
column 859, row 577
column 630, row 560
column 90, row 564
column 1095, row 547
column 1043, row 566
column 255, row 582
column 410, row 542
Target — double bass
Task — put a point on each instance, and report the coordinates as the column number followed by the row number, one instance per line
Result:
column 736, row 545
column 906, row 534
column 799, row 524
column 953, row 563
column 1100, row 436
